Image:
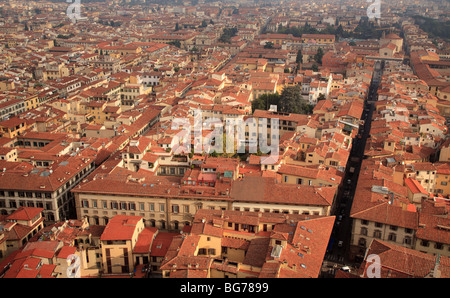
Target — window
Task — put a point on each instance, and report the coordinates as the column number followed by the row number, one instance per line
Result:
column 392, row 237
column 407, row 240
column 175, row 209
column 85, row 204
column 425, row 243
column 377, row 234
column 161, row 207
column 438, row 245
column 114, row 205
column 364, row 222
column 152, row 207
column 393, row 228
column 378, row 225
column 364, row 231
column 141, row 206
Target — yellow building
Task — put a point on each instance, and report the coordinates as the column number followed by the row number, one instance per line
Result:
column 13, row 127
column 6, row 85
column 31, row 102
column 19, row 227
column 118, row 241
column 442, row 181
column 293, row 174
column 318, row 38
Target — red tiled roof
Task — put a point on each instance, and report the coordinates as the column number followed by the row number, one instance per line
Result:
column 145, row 240
column 415, row 186
column 25, row 213
column 120, row 227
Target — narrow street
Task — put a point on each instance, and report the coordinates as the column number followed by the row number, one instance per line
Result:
column 337, row 253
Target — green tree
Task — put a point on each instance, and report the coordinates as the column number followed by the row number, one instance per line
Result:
column 176, row 43
column 299, row 57
column 315, row 67
column 268, row 45
column 227, row 34
column 340, row 31
column 321, row 97
column 264, row 101
column 292, row 101
column 318, row 56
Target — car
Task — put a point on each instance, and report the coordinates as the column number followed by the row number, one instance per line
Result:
column 340, row 243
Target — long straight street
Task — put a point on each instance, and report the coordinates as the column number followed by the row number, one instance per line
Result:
column 337, row 254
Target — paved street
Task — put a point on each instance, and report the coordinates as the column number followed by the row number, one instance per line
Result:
column 337, row 256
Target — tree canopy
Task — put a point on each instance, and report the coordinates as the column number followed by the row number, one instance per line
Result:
column 289, row 101
column 268, row 45
column 299, row 57
column 227, row 34
column 364, row 30
column 318, row 56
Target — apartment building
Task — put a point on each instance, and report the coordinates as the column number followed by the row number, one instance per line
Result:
column 19, row 227
column 286, row 122
column 15, row 126
column 11, row 107
column 387, row 211
column 235, row 244
column 169, row 202
column 23, row 184
column 318, row 38
column 118, row 241
column 318, row 176
column 399, row 262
